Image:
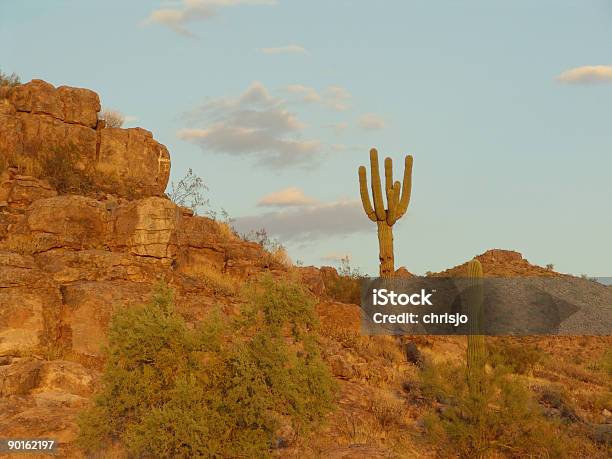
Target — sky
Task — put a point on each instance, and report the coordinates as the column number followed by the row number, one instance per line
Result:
column 506, row 107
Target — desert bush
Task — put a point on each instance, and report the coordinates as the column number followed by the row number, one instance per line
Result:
column 346, row 287
column 190, row 192
column 112, row 118
column 502, row 419
column 387, row 409
column 276, row 252
column 517, row 356
column 217, row 282
column 60, row 167
column 7, row 82
column 555, row 396
column 281, row 257
column 219, row 390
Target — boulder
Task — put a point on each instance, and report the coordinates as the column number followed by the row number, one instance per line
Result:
column 50, row 133
column 20, row 377
column 311, row 277
column 30, row 305
column 89, row 308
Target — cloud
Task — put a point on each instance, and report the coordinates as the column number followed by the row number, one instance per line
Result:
column 371, row 121
column 131, row 119
column 189, row 11
column 310, row 222
column 336, row 256
column 334, row 97
column 286, row 198
column 308, row 94
column 289, row 49
column 254, row 123
column 338, row 128
column 587, row 74
column 337, row 98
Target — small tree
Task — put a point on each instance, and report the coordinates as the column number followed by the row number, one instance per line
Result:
column 112, row 118
column 189, row 192
column 9, row 80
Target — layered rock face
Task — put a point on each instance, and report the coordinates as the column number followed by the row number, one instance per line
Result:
column 66, row 260
column 39, row 122
column 69, row 257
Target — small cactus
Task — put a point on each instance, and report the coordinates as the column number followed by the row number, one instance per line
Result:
column 476, row 351
column 397, row 205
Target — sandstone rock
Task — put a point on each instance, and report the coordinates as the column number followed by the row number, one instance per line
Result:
column 403, row 272
column 37, row 97
column 137, row 164
column 30, row 302
column 20, row 377
column 62, row 376
column 80, row 106
column 38, row 121
column 147, row 227
column 312, row 278
column 19, row 191
column 75, row 222
column 89, row 308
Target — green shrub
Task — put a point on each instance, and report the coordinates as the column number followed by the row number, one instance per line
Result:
column 519, row 357
column 220, row 390
column 503, row 419
column 346, row 286
column 6, row 82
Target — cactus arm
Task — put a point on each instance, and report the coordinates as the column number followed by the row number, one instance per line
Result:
column 379, row 206
column 388, row 176
column 365, row 197
column 393, row 203
column 406, row 187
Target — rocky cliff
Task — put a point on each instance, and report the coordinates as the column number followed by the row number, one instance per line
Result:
column 39, row 121
column 68, row 257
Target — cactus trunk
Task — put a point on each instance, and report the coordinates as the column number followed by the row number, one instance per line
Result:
column 476, row 344
column 385, row 246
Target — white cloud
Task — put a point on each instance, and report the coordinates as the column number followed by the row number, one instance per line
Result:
column 131, row 119
column 286, row 198
column 371, row 121
column 308, row 94
column 587, row 74
column 253, row 123
column 334, row 97
column 288, row 49
column 310, row 222
column 337, row 98
column 189, row 11
column 339, row 128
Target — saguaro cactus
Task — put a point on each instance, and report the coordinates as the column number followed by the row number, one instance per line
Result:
column 476, row 345
column 397, row 205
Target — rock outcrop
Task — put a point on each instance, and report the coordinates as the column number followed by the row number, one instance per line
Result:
column 502, row 263
column 39, row 123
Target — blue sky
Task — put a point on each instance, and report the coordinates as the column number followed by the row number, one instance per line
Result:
column 505, row 106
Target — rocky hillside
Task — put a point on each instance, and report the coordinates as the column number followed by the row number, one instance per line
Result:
column 68, row 259
column 502, row 263
column 71, row 254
